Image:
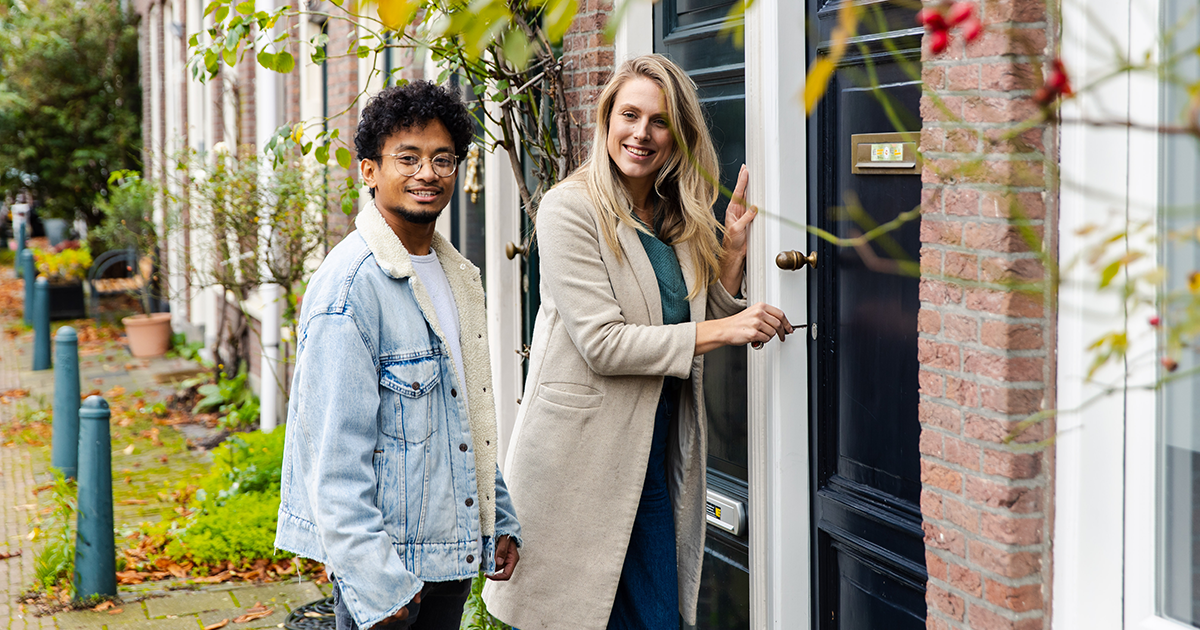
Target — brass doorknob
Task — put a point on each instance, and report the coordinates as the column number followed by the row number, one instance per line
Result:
column 511, row 250
column 792, row 260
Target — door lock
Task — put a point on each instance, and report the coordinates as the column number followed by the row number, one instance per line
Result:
column 792, row 260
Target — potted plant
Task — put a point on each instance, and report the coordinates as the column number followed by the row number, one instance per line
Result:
column 128, row 225
column 64, row 268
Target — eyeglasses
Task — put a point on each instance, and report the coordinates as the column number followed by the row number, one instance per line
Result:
column 409, row 164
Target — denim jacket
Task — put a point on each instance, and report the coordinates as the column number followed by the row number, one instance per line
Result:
column 384, row 438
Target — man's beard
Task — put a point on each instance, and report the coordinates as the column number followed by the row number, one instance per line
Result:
column 419, row 218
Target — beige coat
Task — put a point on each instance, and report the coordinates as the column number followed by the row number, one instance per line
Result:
column 578, row 452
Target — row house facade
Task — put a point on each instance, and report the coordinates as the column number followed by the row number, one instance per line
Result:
column 884, row 472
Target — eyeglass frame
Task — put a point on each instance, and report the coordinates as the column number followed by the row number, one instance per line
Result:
column 421, row 162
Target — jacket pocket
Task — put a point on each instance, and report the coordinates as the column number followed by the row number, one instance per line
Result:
column 412, row 386
column 570, row 395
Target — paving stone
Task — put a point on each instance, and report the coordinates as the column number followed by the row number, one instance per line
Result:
column 88, row 620
column 270, row 621
column 187, row 604
column 188, row 622
column 290, row 594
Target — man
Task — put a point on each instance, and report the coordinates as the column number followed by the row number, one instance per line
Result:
column 389, row 469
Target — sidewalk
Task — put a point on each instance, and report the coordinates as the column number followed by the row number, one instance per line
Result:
column 166, row 605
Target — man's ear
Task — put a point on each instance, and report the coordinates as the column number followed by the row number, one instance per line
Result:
column 368, row 169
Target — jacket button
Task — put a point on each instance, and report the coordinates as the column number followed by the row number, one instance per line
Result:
column 416, row 385
column 453, row 393
column 470, row 502
column 470, row 559
column 463, row 447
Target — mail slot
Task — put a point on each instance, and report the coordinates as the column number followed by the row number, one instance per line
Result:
column 726, row 514
column 884, row 154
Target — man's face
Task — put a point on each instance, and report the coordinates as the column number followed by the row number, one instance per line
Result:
column 415, row 197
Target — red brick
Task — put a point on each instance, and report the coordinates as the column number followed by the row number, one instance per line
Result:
column 1010, row 400
column 1016, row 598
column 1013, row 11
column 1001, row 368
column 965, row 393
column 942, row 109
column 1024, row 173
column 962, row 202
column 931, row 384
column 1024, row 205
column 962, row 453
column 936, row 622
column 1011, row 303
column 962, row 141
column 992, row 430
column 1010, row 564
column 939, row 415
column 929, row 322
column 932, row 139
column 931, row 503
column 940, row 477
column 1016, row 270
column 1015, row 140
column 961, row 327
column 941, row 232
column 962, row 78
column 1012, row 531
column 931, row 261
column 937, row 292
column 939, row 355
column 1016, row 499
column 998, row 237
column 961, row 266
column 1011, row 336
column 933, row 77
column 941, row 172
column 931, row 200
column 1012, row 465
column 995, row 109
column 934, row 565
column 981, row 618
column 938, row 537
column 996, row 41
column 963, row 579
column 942, row 600
column 961, row 515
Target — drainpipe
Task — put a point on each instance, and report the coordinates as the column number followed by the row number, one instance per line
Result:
column 267, row 119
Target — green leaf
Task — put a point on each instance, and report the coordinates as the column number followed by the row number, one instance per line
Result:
column 363, row 52
column 266, row 60
column 306, row 148
column 230, row 57
column 221, row 14
column 478, row 88
column 558, row 18
column 318, row 56
column 347, row 207
column 284, row 62
column 517, row 48
column 334, row 136
column 322, row 154
column 212, row 6
column 245, row 8
column 502, row 84
column 194, row 40
column 1110, row 272
column 343, row 157
column 211, row 60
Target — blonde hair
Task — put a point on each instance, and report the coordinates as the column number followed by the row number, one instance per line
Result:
column 686, row 184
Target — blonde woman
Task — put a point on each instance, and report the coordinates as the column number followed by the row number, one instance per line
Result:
column 607, row 460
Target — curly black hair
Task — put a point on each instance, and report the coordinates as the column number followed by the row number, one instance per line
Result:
column 412, row 105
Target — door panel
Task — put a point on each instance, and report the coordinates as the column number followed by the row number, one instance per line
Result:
column 868, row 544
column 687, row 31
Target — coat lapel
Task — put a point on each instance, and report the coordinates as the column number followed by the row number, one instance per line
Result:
column 643, row 271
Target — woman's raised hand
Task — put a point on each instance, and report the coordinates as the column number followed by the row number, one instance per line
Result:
column 757, row 324
column 737, row 227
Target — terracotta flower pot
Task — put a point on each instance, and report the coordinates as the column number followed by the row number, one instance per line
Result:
column 149, row 335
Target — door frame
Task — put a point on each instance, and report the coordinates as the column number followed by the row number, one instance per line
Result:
column 780, row 515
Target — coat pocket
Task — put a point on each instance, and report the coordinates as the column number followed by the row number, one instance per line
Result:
column 411, row 386
column 570, row 395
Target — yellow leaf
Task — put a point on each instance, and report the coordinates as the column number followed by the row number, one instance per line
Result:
column 298, row 133
column 817, row 82
column 395, row 14
column 128, row 450
column 1194, row 282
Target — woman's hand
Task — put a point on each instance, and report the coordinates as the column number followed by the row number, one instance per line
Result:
column 758, row 323
column 737, row 227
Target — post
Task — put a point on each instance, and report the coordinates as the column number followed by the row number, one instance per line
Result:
column 29, row 274
column 41, row 324
column 95, row 548
column 269, row 383
column 64, row 453
column 20, row 245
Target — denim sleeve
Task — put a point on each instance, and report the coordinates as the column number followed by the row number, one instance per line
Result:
column 338, row 407
column 506, row 516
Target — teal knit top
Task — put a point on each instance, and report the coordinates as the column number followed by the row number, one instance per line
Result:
column 671, row 287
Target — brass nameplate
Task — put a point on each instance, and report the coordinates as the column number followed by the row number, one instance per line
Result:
column 884, row 154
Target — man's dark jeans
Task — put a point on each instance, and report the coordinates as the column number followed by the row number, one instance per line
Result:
column 440, row 608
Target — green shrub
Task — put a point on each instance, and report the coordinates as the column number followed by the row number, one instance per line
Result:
column 54, row 565
column 242, row 527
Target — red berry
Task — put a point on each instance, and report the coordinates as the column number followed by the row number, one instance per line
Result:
column 1155, row 321
column 959, row 12
column 1057, row 80
column 938, row 42
column 931, row 19
column 1044, row 96
column 1170, row 364
column 972, row 29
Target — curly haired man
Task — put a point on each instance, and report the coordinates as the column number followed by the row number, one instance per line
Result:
column 389, row 470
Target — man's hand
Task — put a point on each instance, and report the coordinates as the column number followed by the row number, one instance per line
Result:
column 507, row 557
column 402, row 614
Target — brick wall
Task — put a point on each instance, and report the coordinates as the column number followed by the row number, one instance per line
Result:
column 985, row 342
column 588, row 60
column 343, row 89
column 247, row 98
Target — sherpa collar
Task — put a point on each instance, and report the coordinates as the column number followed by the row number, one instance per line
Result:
column 463, row 277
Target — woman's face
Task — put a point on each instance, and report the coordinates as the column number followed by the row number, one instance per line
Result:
column 639, row 140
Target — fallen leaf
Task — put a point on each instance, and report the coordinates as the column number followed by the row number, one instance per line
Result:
column 217, row 626
column 223, row 576
column 128, row 450
column 133, row 501
column 104, row 606
column 116, row 611
column 252, row 616
column 5, row 555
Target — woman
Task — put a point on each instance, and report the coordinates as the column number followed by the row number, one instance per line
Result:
column 607, row 460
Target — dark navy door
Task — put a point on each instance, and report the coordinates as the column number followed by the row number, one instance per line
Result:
column 688, row 32
column 868, row 550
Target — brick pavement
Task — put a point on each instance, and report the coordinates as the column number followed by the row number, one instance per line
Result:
column 172, row 605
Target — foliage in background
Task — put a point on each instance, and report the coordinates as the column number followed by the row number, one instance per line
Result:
column 68, row 265
column 232, row 398
column 183, row 349
column 475, row 613
column 126, row 214
column 54, row 566
column 70, row 101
